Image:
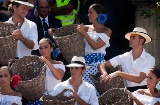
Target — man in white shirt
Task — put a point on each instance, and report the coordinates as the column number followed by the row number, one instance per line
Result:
column 135, row 64
column 83, row 92
column 26, row 35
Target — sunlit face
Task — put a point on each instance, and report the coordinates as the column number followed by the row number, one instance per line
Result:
column 21, row 11
column 151, row 80
column 135, row 41
column 92, row 15
column 43, row 8
column 45, row 49
column 5, row 78
column 76, row 72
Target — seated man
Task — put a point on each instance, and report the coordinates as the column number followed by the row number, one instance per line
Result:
column 135, row 64
column 83, row 92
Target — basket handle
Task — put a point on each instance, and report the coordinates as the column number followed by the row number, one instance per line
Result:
column 61, row 94
column 11, row 61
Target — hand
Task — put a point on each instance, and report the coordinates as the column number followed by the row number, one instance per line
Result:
column 73, row 95
column 110, row 76
column 130, row 94
column 17, row 34
column 80, row 29
column 102, row 77
column 43, row 59
column 50, row 31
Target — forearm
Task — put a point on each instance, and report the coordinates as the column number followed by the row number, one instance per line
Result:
column 137, row 101
column 90, row 41
column 28, row 43
column 60, row 10
column 56, row 73
column 131, row 77
column 102, row 67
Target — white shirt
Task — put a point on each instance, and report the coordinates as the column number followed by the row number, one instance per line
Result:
column 9, row 100
column 144, row 99
column 86, row 92
column 51, row 81
column 142, row 64
column 95, row 36
column 29, row 31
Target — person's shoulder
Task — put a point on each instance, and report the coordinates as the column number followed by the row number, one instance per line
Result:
column 18, row 94
column 149, row 55
column 108, row 31
column 57, row 62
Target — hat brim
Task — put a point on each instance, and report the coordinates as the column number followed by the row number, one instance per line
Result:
column 25, row 3
column 76, row 65
column 147, row 37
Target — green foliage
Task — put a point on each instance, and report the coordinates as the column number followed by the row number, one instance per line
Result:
column 148, row 13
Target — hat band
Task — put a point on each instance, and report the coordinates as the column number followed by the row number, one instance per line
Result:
column 78, row 62
column 140, row 32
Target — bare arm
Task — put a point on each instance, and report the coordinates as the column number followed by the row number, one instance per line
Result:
column 18, row 36
column 134, row 78
column 94, row 44
column 57, row 73
column 64, row 10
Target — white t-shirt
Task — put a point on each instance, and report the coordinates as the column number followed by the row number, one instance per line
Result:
column 29, row 31
column 51, row 81
column 86, row 92
column 9, row 100
column 142, row 64
column 95, row 36
column 144, row 99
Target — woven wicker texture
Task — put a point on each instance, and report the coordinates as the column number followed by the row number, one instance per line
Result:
column 70, row 42
column 57, row 100
column 116, row 96
column 102, row 87
column 8, row 45
column 32, row 73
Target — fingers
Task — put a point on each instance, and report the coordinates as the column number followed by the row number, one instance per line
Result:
column 106, row 78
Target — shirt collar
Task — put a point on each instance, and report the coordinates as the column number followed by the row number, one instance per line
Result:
column 46, row 19
column 142, row 54
column 23, row 25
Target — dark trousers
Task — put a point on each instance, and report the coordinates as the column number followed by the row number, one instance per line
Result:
column 132, row 89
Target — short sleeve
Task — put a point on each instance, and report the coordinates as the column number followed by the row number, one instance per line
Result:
column 116, row 60
column 104, row 37
column 60, row 66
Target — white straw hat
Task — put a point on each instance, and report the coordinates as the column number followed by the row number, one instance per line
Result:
column 140, row 31
column 77, row 62
column 24, row 2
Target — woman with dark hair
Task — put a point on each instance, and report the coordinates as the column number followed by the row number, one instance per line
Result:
column 55, row 69
column 96, row 37
column 151, row 95
column 7, row 95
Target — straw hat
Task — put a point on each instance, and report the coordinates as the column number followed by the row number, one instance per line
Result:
column 24, row 2
column 77, row 62
column 140, row 31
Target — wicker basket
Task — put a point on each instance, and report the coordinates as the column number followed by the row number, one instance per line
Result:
column 116, row 96
column 57, row 100
column 70, row 42
column 8, row 44
column 32, row 73
column 102, row 87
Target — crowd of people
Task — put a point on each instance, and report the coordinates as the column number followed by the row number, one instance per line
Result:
column 33, row 36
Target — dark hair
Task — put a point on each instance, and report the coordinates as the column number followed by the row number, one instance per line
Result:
column 7, row 68
column 10, row 7
column 156, row 72
column 48, row 40
column 141, row 37
column 83, row 68
column 98, row 8
column 39, row 1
